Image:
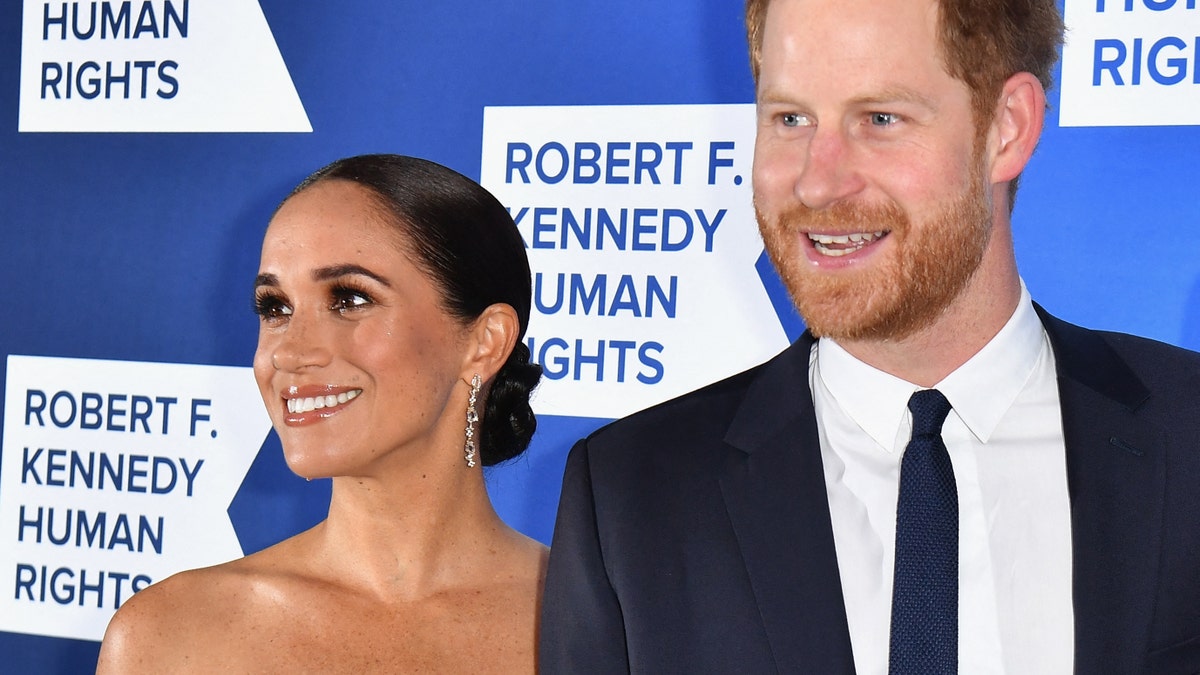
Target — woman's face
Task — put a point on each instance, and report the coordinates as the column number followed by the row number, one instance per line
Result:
column 356, row 358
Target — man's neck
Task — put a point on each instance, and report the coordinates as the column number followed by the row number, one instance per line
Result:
column 927, row 356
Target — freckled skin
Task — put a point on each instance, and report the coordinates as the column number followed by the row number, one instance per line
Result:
column 412, row 571
column 266, row 613
column 400, row 347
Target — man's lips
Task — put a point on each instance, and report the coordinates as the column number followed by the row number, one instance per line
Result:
column 837, row 245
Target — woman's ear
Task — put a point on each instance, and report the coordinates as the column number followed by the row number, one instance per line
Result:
column 1016, row 126
column 492, row 338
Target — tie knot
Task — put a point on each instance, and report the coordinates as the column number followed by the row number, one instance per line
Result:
column 929, row 409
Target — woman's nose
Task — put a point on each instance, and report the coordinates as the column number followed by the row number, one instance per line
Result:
column 302, row 344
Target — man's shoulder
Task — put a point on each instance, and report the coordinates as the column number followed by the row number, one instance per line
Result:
column 1153, row 352
column 704, row 412
column 1110, row 359
column 696, row 424
column 1158, row 364
column 1143, row 355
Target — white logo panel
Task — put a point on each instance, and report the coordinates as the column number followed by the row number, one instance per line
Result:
column 1131, row 63
column 642, row 238
column 166, row 66
column 115, row 475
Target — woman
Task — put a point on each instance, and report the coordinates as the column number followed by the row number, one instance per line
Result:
column 393, row 295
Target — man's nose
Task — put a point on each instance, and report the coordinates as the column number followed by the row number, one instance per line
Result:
column 830, row 173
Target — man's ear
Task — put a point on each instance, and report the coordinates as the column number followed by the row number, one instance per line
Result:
column 1016, row 126
column 492, row 338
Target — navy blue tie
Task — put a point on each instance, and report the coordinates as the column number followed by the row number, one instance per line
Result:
column 925, row 592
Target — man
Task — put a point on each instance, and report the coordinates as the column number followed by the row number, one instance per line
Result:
column 761, row 524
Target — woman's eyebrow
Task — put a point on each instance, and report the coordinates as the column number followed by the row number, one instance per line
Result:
column 344, row 270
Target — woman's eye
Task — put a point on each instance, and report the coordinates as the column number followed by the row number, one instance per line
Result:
column 881, row 119
column 347, row 300
column 269, row 307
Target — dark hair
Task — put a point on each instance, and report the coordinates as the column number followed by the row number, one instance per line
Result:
column 982, row 42
column 467, row 243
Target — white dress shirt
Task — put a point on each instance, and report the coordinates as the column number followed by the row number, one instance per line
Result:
column 1005, row 440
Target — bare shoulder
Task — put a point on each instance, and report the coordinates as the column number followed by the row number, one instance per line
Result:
column 169, row 624
column 521, row 561
column 281, row 610
column 530, row 550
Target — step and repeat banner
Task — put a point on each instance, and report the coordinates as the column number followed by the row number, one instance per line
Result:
column 144, row 145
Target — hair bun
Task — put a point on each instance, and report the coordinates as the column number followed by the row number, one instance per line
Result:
column 508, row 420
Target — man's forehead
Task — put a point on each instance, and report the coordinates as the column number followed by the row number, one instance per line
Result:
column 817, row 19
column 869, row 44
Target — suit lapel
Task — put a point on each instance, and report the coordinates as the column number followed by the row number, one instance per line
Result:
column 774, row 491
column 1116, row 472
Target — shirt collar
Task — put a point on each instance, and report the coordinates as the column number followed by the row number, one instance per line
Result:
column 980, row 391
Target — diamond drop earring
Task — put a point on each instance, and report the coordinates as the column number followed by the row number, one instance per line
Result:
column 472, row 418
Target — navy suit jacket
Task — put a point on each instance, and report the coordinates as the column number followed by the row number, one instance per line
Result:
column 695, row 537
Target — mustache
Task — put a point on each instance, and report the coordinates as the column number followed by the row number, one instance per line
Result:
column 842, row 217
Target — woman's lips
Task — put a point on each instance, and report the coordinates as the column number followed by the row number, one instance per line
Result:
column 310, row 404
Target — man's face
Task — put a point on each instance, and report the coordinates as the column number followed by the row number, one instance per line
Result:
column 868, row 178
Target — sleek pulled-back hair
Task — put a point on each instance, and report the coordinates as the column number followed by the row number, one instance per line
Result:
column 467, row 244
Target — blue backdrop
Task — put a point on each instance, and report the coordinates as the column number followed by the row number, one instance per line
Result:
column 143, row 246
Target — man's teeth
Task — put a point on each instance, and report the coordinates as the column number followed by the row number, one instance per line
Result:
column 303, row 405
column 842, row 244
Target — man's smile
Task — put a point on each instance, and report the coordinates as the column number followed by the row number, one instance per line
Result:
column 837, row 245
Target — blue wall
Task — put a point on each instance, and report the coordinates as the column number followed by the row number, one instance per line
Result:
column 143, row 246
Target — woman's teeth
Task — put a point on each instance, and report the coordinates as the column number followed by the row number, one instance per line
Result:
column 303, row 405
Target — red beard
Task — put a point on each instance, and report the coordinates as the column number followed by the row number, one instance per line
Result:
column 887, row 299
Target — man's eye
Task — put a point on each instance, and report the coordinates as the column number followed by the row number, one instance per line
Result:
column 881, row 119
column 794, row 120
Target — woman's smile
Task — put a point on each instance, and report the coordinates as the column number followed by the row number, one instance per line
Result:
column 311, row 404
